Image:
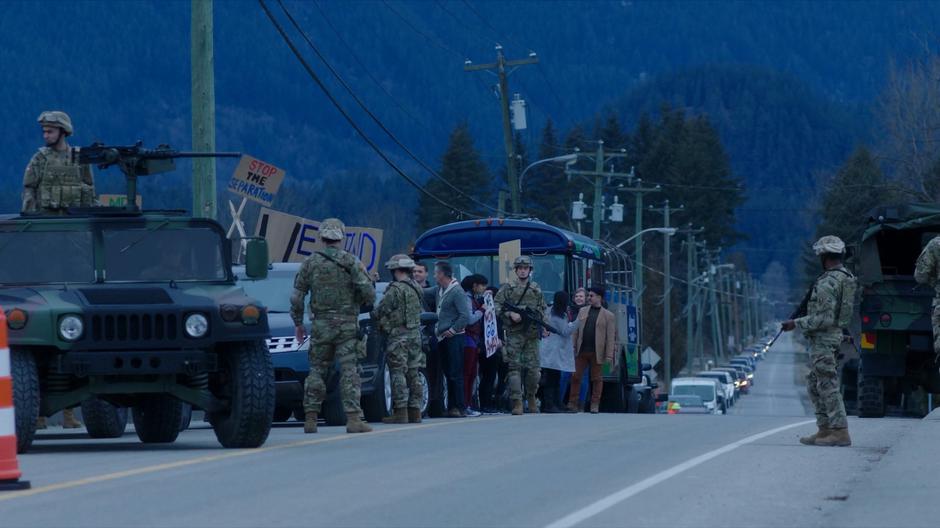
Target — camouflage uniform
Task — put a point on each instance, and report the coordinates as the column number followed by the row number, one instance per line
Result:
column 928, row 272
column 338, row 285
column 53, row 181
column 521, row 350
column 399, row 316
column 830, row 308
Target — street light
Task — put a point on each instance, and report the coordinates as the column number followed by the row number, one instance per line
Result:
column 665, row 230
column 569, row 159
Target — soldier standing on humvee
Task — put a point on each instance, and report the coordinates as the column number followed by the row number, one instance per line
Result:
column 53, row 181
column 521, row 350
column 828, row 311
column 927, row 272
column 399, row 317
column 338, row 286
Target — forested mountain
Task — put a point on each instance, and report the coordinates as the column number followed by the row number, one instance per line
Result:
column 787, row 86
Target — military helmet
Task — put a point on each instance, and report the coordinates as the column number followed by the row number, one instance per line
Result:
column 522, row 261
column 400, row 261
column 332, row 229
column 56, row 118
column 829, row 244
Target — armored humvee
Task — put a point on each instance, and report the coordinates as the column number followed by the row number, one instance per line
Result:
column 896, row 358
column 116, row 309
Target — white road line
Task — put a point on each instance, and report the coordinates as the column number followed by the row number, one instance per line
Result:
column 614, row 499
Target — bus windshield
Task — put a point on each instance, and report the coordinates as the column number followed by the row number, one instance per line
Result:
column 549, row 270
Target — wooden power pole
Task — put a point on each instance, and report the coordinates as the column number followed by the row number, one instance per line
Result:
column 203, row 109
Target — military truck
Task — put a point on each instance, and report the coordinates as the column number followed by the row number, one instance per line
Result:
column 896, row 358
column 115, row 309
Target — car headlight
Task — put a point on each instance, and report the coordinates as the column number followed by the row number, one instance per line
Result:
column 71, row 327
column 196, row 325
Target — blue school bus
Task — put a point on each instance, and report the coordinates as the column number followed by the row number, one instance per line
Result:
column 562, row 260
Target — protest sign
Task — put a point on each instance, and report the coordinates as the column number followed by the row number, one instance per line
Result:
column 292, row 238
column 508, row 251
column 256, row 180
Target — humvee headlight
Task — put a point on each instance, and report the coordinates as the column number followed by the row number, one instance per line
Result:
column 71, row 327
column 16, row 319
column 196, row 325
column 229, row 312
column 251, row 314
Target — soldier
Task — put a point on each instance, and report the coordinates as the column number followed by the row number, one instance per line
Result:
column 53, row 181
column 828, row 311
column 928, row 272
column 399, row 317
column 338, row 286
column 521, row 350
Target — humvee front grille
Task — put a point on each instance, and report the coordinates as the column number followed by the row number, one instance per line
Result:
column 134, row 327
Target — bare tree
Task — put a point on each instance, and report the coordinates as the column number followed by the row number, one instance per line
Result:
column 909, row 113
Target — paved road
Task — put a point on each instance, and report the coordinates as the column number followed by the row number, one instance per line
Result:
column 746, row 468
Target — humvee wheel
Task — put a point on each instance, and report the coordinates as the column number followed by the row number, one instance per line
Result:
column 25, row 396
column 246, row 380
column 871, row 397
column 103, row 420
column 157, row 418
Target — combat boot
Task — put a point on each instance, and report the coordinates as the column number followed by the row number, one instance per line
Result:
column 354, row 424
column 414, row 415
column 533, row 405
column 595, row 408
column 835, row 438
column 516, row 407
column 69, row 421
column 41, row 422
column 400, row 416
column 310, row 423
column 811, row 439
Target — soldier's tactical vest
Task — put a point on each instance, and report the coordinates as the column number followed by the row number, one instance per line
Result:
column 408, row 315
column 846, row 308
column 61, row 184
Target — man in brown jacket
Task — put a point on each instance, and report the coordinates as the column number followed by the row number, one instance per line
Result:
column 594, row 344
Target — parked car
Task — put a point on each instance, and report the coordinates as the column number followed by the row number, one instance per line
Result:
column 749, row 370
column 727, row 384
column 291, row 364
column 686, row 404
column 707, row 389
column 743, row 384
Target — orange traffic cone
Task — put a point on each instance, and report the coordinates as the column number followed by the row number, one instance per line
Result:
column 9, row 469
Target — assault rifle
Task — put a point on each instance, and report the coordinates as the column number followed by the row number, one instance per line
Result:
column 799, row 312
column 135, row 160
column 529, row 316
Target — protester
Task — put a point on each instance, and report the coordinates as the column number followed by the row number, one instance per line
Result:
column 430, row 291
column 474, row 285
column 556, row 353
column 493, row 372
column 594, row 342
column 579, row 299
column 453, row 312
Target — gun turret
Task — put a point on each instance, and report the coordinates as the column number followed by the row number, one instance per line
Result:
column 135, row 160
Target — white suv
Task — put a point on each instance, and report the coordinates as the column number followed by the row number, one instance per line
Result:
column 706, row 388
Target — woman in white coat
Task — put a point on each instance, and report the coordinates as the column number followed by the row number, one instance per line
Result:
column 556, row 353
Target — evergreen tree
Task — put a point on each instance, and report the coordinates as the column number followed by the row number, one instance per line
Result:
column 463, row 167
column 856, row 188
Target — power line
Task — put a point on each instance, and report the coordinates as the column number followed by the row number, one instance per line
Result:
column 339, row 36
column 371, row 115
column 349, row 119
column 436, row 41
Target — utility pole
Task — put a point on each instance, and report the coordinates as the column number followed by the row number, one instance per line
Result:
column 500, row 67
column 638, row 191
column 203, row 108
column 735, row 306
column 667, row 295
column 691, row 293
column 601, row 159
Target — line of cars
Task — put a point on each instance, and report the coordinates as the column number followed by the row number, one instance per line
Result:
column 716, row 390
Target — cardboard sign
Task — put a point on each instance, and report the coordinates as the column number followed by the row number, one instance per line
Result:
column 293, row 239
column 490, row 335
column 256, row 180
column 117, row 200
column 508, row 251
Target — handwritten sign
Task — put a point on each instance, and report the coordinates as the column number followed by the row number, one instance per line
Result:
column 256, row 180
column 117, row 200
column 293, row 239
column 508, row 252
column 490, row 333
